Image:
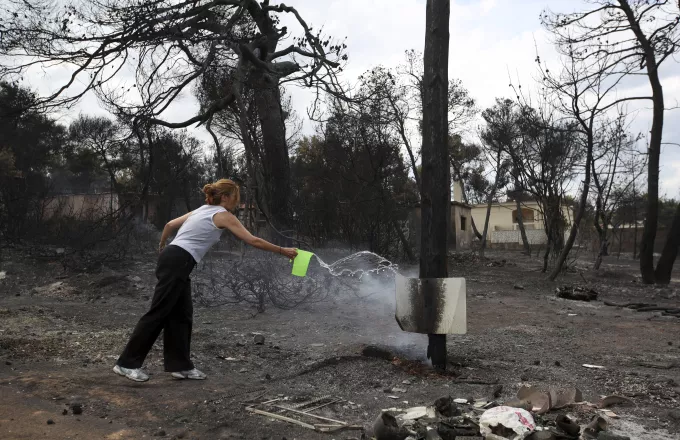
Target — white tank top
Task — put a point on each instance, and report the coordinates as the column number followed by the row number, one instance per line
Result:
column 199, row 233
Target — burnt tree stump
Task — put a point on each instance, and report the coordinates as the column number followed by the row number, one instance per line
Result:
column 435, row 191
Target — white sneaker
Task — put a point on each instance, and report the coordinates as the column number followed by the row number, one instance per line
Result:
column 135, row 374
column 190, row 374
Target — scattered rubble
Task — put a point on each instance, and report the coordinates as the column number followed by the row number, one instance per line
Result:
column 577, row 293
column 593, row 367
column 610, row 401
column 610, row 414
column 386, row 427
column 666, row 310
column 446, row 407
column 541, row 401
column 496, row 263
column 507, row 422
column 259, row 339
column 535, row 414
column 597, row 425
column 304, row 410
column 568, row 425
column 658, row 365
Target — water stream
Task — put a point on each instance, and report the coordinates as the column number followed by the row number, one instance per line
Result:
column 358, row 265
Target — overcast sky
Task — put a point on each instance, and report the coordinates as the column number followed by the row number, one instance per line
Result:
column 489, row 38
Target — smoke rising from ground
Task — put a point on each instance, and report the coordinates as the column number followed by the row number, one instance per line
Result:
column 373, row 301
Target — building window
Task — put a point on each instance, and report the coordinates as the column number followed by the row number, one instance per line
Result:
column 527, row 215
column 463, row 221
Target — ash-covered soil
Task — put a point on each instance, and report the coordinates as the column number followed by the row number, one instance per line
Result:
column 61, row 332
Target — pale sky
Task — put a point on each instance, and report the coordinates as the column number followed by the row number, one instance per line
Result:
column 489, row 38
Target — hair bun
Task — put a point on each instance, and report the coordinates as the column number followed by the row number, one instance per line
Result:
column 214, row 192
column 209, row 191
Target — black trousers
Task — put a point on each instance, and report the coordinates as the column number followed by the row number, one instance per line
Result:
column 171, row 311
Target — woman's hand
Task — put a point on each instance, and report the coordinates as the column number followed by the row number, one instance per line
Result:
column 288, row 252
column 161, row 246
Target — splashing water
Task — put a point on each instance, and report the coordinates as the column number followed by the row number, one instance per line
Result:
column 358, row 264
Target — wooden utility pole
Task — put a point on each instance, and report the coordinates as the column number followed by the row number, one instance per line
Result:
column 435, row 191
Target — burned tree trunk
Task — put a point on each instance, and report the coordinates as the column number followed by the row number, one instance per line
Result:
column 603, row 250
column 579, row 214
column 472, row 220
column 404, row 241
column 635, row 219
column 602, row 230
column 145, row 168
column 218, row 149
column 489, row 202
column 546, row 254
column 654, row 151
column 664, row 267
column 474, row 229
column 522, row 231
column 652, row 215
column 275, row 159
column 435, row 179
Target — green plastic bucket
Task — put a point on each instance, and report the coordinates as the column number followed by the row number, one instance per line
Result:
column 301, row 263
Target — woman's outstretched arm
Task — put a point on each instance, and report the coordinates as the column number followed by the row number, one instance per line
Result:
column 227, row 220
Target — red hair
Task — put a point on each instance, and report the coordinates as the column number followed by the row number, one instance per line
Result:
column 223, row 187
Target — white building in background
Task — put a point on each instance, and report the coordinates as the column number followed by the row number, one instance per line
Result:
column 503, row 226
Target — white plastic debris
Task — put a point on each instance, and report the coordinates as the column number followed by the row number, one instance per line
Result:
column 516, row 419
column 461, row 401
column 418, row 412
column 597, row 367
column 609, row 413
column 3, row 275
